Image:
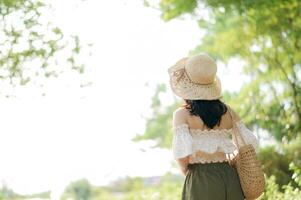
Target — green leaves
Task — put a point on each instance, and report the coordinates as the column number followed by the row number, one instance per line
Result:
column 297, row 173
column 174, row 8
column 31, row 47
column 8, row 3
column 158, row 125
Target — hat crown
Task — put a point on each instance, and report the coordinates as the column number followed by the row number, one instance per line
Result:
column 201, row 69
column 195, row 78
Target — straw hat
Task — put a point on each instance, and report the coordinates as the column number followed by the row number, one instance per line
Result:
column 195, row 78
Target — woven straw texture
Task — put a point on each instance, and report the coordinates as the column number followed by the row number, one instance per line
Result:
column 250, row 173
column 249, row 169
column 183, row 87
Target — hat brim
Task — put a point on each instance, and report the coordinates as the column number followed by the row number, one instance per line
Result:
column 187, row 89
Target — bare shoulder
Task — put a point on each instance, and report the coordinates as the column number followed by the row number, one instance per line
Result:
column 180, row 116
column 233, row 113
column 181, row 111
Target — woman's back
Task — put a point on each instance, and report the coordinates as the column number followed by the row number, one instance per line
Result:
column 210, row 145
column 195, row 122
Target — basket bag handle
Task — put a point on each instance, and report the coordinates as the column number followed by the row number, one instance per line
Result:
column 235, row 132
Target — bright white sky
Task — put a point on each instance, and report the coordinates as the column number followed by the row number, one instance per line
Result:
column 75, row 132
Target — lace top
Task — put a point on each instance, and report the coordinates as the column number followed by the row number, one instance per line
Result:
column 198, row 144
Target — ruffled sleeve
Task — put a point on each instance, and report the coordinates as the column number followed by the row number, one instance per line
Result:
column 182, row 141
column 247, row 135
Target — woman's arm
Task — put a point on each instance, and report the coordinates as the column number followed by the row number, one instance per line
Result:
column 244, row 133
column 183, row 163
column 179, row 117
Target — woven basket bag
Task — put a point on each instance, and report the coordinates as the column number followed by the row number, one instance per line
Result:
column 248, row 167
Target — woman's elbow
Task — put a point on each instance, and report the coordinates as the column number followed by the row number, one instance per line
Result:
column 184, row 160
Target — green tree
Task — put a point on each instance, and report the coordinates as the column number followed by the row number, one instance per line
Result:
column 78, row 190
column 31, row 46
column 158, row 126
column 83, row 190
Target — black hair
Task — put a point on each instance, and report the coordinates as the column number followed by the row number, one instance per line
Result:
column 210, row 111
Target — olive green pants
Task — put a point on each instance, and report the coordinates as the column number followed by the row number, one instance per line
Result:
column 212, row 181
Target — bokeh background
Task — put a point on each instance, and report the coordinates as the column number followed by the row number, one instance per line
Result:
column 86, row 106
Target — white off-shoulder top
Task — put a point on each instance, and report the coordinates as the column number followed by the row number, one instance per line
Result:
column 196, row 143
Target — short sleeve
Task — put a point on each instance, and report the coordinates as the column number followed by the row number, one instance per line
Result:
column 182, row 141
column 247, row 135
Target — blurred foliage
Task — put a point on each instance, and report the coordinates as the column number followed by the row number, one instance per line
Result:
column 158, row 126
column 78, row 190
column 272, row 191
column 166, row 191
column 83, row 190
column 31, row 46
column 174, row 8
column 277, row 161
column 8, row 194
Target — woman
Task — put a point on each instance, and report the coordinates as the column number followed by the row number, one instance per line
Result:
column 202, row 132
